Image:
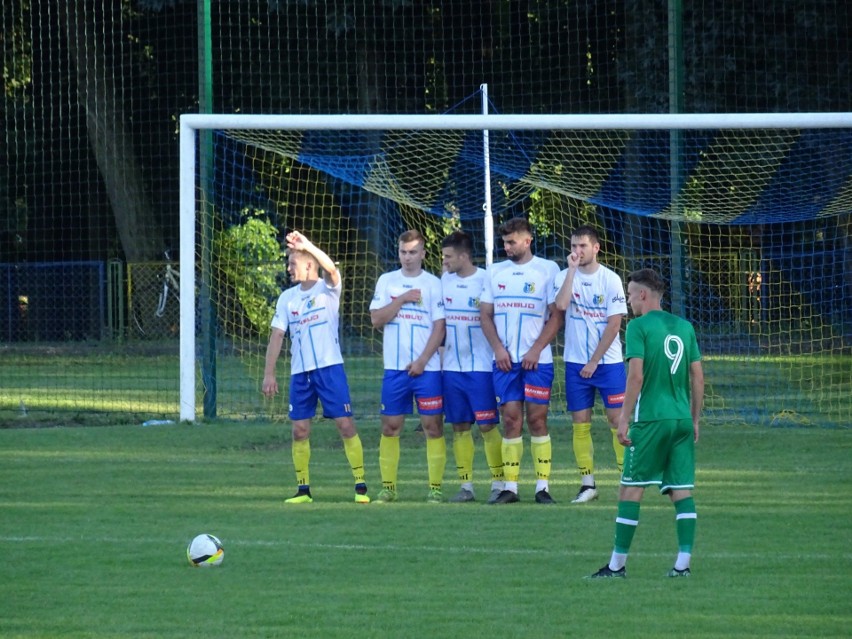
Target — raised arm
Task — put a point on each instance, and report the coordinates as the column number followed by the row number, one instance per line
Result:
column 298, row 242
column 566, row 291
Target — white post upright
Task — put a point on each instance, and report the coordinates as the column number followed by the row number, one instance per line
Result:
column 488, row 219
column 188, row 135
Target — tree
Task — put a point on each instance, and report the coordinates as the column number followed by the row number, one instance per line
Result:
column 98, row 90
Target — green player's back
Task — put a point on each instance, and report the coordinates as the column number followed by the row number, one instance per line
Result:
column 666, row 343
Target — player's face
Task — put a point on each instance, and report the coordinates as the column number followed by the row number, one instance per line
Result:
column 453, row 261
column 585, row 249
column 297, row 267
column 517, row 245
column 636, row 294
column 411, row 255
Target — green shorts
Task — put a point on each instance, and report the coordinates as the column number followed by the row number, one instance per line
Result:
column 662, row 453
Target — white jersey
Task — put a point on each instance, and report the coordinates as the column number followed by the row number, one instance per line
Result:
column 595, row 298
column 521, row 294
column 313, row 319
column 465, row 349
column 405, row 336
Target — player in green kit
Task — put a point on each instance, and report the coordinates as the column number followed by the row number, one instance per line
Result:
column 663, row 399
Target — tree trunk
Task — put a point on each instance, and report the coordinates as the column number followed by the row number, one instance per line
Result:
column 109, row 135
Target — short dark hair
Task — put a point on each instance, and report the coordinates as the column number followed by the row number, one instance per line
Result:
column 460, row 241
column 648, row 277
column 587, row 231
column 515, row 225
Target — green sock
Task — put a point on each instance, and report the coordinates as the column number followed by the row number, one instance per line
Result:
column 685, row 524
column 625, row 525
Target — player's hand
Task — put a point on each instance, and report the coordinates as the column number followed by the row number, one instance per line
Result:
column 529, row 362
column 297, row 242
column 695, row 432
column 411, row 296
column 588, row 370
column 503, row 360
column 416, row 368
column 270, row 386
column 573, row 260
column 622, row 431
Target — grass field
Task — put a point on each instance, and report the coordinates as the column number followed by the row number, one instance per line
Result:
column 95, row 521
column 95, row 387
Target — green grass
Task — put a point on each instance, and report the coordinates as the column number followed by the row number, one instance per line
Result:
column 94, row 523
column 102, row 387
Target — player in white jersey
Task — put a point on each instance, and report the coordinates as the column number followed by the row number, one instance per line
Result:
column 593, row 297
column 408, row 307
column 310, row 311
column 467, row 363
column 520, row 320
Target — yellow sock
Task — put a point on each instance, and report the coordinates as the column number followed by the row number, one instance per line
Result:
column 389, row 461
column 513, row 450
column 436, row 460
column 584, row 449
column 619, row 450
column 494, row 453
column 301, row 452
column 542, row 453
column 463, row 452
column 355, row 454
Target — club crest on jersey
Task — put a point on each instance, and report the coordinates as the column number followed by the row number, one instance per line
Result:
column 597, row 299
column 473, row 302
column 311, row 303
column 529, row 287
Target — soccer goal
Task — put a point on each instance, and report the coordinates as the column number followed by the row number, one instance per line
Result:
column 746, row 215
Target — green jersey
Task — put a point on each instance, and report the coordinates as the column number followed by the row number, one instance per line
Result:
column 666, row 343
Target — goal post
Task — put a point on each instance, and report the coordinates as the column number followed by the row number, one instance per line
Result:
column 580, row 145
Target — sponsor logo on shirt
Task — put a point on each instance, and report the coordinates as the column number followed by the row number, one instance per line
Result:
column 617, row 299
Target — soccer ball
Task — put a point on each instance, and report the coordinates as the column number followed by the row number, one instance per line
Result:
column 205, row 550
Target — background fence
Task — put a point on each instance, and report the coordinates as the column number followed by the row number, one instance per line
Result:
column 92, row 90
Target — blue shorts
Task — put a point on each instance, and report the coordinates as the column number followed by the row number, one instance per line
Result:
column 469, row 397
column 608, row 379
column 519, row 385
column 399, row 388
column 329, row 385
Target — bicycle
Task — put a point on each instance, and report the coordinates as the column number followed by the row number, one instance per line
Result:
column 171, row 284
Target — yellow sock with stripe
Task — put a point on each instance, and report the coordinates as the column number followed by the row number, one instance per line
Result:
column 512, row 450
column 493, row 443
column 619, row 450
column 301, row 451
column 584, row 449
column 389, row 461
column 436, row 460
column 463, row 452
column 355, row 455
column 542, row 454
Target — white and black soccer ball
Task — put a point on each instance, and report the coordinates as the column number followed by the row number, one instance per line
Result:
column 205, row 550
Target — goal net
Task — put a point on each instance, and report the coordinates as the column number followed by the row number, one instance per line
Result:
column 747, row 217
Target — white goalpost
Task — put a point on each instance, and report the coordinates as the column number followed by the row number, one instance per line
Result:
column 192, row 124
